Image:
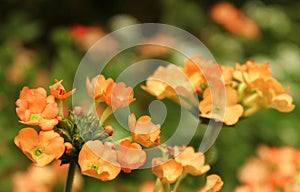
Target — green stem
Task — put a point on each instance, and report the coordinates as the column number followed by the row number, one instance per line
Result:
column 252, row 110
column 166, row 187
column 177, row 184
column 61, row 108
column 106, row 113
column 250, row 100
column 70, row 177
column 157, row 185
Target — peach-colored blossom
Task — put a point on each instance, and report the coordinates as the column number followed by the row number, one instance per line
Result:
column 234, row 20
column 233, row 111
column 214, row 183
column 130, row 156
column 167, row 171
column 97, row 87
column 34, row 179
column 118, row 95
column 35, row 108
column 168, row 81
column 270, row 92
column 144, row 131
column 148, row 186
column 254, row 171
column 192, row 162
column 58, row 90
column 41, row 148
column 98, row 161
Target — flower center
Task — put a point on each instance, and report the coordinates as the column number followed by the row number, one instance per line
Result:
column 38, row 151
column 95, row 166
column 35, row 118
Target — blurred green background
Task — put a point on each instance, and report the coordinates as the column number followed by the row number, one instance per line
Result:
column 37, row 45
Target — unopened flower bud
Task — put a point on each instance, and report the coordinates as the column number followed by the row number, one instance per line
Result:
column 68, row 147
column 78, row 110
column 108, row 129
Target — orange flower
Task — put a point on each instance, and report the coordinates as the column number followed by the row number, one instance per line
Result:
column 41, row 148
column 98, row 161
column 201, row 71
column 234, row 20
column 192, row 162
column 118, row 95
column 144, row 131
column 167, row 171
column 269, row 92
column 97, row 88
column 34, row 179
column 130, row 156
column 35, row 108
column 58, row 90
column 254, row 171
column 233, row 110
column 251, row 71
column 168, row 81
column 214, row 183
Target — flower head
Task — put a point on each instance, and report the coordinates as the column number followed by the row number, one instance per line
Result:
column 97, row 87
column 192, row 162
column 234, row 20
column 58, row 90
column 144, row 131
column 35, row 108
column 214, row 183
column 233, row 110
column 98, row 161
column 41, row 148
column 167, row 171
column 130, row 155
column 118, row 95
column 168, row 81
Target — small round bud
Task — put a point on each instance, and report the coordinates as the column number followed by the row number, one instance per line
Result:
column 68, row 147
column 108, row 129
column 78, row 110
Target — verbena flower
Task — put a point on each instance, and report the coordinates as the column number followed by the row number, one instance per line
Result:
column 144, row 131
column 41, row 148
column 35, row 108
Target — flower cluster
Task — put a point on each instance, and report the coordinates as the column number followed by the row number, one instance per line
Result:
column 44, row 179
column 248, row 88
column 234, row 20
column 274, row 169
column 84, row 138
column 184, row 161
